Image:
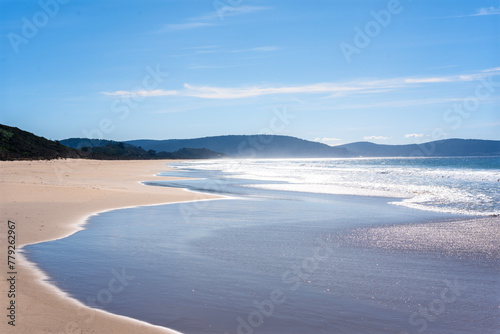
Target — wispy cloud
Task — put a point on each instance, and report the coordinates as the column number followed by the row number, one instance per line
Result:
column 266, row 49
column 414, row 135
column 142, row 93
column 210, row 49
column 209, row 92
column 480, row 12
column 329, row 141
column 206, row 51
column 331, row 89
column 495, row 69
column 488, row 11
column 387, row 104
column 211, row 19
column 211, row 67
column 203, row 47
column 258, row 49
column 376, row 138
column 184, row 26
column 226, row 11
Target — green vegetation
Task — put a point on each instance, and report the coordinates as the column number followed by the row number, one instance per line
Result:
column 253, row 146
column 122, row 151
column 5, row 133
column 16, row 144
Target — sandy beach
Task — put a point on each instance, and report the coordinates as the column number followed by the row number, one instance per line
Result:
column 52, row 199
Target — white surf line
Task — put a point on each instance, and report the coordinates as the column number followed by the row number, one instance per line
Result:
column 79, row 225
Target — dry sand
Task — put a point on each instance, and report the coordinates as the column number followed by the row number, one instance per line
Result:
column 52, row 199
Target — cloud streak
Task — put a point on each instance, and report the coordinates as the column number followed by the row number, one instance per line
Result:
column 414, row 135
column 485, row 11
column 329, row 141
column 142, row 93
column 258, row 49
column 488, row 11
column 219, row 50
column 240, row 10
column 211, row 19
column 330, row 89
column 376, row 138
column 185, row 26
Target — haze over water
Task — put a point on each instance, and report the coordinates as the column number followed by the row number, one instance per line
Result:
column 287, row 255
column 465, row 185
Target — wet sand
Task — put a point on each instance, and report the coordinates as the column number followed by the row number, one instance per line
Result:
column 49, row 200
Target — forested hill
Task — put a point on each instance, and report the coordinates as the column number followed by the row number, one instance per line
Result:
column 16, row 144
column 254, row 146
column 440, row 148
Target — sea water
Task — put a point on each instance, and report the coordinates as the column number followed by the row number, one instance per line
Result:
column 465, row 185
column 293, row 249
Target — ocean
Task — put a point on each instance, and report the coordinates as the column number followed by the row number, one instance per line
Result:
column 464, row 185
column 388, row 245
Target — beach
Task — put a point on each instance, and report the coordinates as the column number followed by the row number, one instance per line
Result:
column 49, row 200
column 262, row 258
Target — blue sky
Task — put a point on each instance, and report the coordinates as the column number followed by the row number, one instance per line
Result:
column 336, row 71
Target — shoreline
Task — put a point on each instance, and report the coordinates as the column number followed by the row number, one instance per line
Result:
column 50, row 200
column 191, row 320
column 91, row 188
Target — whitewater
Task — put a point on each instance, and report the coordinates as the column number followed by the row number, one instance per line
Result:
column 463, row 185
